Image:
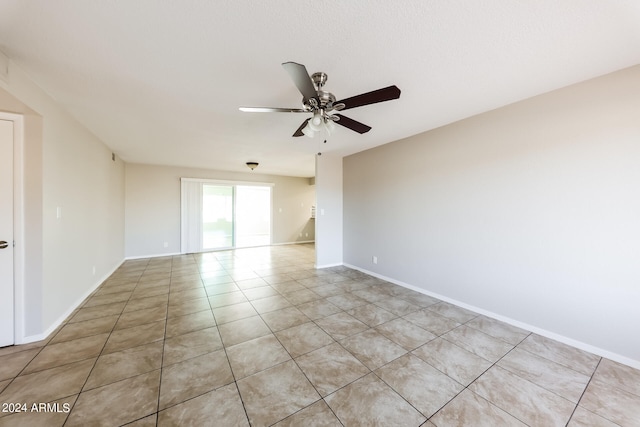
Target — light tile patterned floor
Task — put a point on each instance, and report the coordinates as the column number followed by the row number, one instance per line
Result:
column 259, row 337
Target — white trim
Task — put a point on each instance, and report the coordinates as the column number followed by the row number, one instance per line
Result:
column 129, row 258
column 328, row 265
column 543, row 332
column 228, row 182
column 18, row 224
column 301, row 242
column 271, row 216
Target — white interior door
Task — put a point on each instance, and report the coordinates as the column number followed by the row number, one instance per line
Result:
column 6, row 234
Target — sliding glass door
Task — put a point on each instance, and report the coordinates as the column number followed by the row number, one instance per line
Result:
column 222, row 215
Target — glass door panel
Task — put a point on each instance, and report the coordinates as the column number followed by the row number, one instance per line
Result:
column 253, row 216
column 217, row 216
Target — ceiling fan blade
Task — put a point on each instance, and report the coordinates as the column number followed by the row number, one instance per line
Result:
column 298, row 132
column 300, row 77
column 380, row 95
column 352, row 124
column 271, row 110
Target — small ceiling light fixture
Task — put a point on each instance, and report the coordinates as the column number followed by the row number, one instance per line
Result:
column 252, row 165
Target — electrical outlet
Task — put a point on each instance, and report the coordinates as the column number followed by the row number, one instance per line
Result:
column 166, row 244
column 94, row 270
column 374, row 259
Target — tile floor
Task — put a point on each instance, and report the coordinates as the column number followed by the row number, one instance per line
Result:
column 259, row 337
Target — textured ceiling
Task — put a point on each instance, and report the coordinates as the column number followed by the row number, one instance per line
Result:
column 161, row 81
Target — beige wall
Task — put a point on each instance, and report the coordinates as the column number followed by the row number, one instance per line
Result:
column 66, row 167
column 530, row 213
column 153, row 206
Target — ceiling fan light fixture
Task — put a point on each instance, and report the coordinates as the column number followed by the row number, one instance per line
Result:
column 252, row 165
column 308, row 130
column 330, row 126
column 319, row 123
column 313, row 127
column 315, row 123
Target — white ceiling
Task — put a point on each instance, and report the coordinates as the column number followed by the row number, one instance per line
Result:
column 161, row 81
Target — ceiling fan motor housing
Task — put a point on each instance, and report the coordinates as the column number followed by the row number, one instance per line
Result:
column 325, row 99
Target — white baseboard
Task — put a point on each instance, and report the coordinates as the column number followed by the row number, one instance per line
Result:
column 531, row 328
column 329, row 265
column 152, row 256
column 293, row 243
column 66, row 314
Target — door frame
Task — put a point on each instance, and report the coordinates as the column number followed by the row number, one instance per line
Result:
column 18, row 224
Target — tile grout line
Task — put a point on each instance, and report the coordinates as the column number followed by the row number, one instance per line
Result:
column 487, row 370
column 585, row 390
column 224, row 348
column 576, row 404
column 164, row 340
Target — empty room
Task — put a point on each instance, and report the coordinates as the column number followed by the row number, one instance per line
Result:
column 291, row 213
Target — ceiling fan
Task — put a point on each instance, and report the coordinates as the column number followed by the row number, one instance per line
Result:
column 323, row 104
